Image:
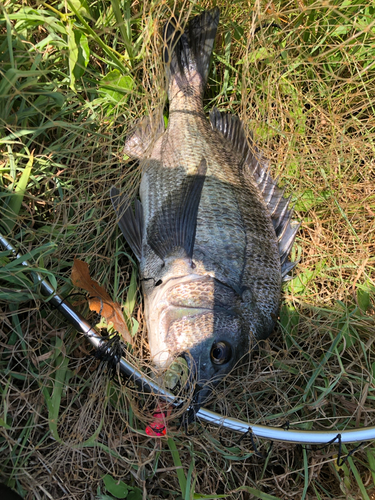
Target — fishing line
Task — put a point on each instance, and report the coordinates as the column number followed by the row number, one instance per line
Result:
column 148, row 385
column 340, row 464
column 340, row 461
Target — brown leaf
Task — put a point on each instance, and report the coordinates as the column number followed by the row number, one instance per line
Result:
column 99, row 300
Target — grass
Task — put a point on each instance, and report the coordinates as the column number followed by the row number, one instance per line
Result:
column 74, row 77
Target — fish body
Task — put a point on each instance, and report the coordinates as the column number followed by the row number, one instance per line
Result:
column 212, row 232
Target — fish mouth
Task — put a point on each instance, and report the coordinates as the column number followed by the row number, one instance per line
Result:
column 175, row 338
column 202, row 389
column 202, row 396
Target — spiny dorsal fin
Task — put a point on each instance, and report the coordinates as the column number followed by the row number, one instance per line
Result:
column 254, row 163
column 143, row 135
column 175, row 225
column 130, row 223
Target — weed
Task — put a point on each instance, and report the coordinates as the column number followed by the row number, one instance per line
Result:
column 74, row 78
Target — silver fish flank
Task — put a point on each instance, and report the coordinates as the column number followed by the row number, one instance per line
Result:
column 212, row 231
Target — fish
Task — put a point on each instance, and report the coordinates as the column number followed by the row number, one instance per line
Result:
column 211, row 230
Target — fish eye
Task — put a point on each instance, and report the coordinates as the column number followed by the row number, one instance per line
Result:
column 221, row 353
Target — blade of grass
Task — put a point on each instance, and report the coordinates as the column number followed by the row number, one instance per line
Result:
column 321, row 365
column 123, row 21
column 189, row 492
column 115, row 57
column 306, row 474
column 73, row 54
column 179, row 469
column 131, row 296
column 16, row 199
column 53, row 399
column 257, row 493
column 357, row 476
column 371, row 461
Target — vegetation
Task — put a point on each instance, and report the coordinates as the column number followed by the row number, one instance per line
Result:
column 74, row 77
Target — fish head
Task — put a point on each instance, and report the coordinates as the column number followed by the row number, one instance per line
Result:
column 223, row 344
column 199, row 319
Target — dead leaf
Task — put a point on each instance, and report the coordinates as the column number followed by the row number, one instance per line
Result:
column 99, row 300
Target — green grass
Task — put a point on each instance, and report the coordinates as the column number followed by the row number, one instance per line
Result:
column 73, row 78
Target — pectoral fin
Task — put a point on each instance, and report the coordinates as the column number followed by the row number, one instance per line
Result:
column 143, row 135
column 175, row 225
column 130, row 223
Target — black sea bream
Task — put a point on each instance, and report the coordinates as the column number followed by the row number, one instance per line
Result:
column 212, row 232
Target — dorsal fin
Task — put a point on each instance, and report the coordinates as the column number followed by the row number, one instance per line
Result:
column 174, row 226
column 254, row 163
column 130, row 223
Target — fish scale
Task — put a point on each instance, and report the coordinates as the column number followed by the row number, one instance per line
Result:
column 212, row 231
column 220, row 233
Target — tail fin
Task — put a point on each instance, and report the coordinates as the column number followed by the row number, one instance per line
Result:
column 187, row 53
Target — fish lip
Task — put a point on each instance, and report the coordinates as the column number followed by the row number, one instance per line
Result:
column 158, row 302
column 166, row 308
column 166, row 285
column 169, row 282
column 162, row 304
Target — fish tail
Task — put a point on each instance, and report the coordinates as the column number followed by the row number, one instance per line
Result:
column 187, row 53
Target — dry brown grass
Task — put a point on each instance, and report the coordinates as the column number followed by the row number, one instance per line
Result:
column 310, row 102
